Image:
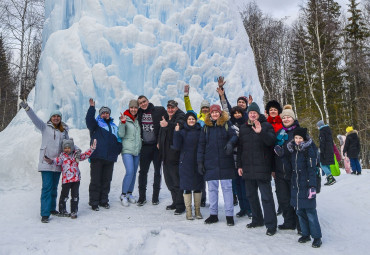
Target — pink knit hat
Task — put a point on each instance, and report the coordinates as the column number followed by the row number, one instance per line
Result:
column 215, row 107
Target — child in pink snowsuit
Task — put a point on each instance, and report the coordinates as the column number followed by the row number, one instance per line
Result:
column 347, row 165
column 71, row 176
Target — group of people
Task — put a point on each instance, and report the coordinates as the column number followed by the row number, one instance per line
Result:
column 238, row 148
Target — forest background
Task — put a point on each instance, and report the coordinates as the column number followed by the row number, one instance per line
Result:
column 319, row 63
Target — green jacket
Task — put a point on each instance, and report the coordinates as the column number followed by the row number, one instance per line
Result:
column 130, row 134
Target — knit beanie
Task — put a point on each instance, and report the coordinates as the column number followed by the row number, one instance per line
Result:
column 273, row 104
column 56, row 112
column 204, row 103
column 133, row 103
column 68, row 143
column 288, row 111
column 349, row 129
column 253, row 107
column 302, row 132
column 245, row 99
column 320, row 123
column 104, row 109
column 190, row 113
column 216, row 108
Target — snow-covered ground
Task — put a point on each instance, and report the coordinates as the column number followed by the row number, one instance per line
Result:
column 343, row 211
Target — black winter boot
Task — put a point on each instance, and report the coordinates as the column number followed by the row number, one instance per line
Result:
column 330, row 180
column 304, row 239
column 211, row 219
column 45, row 219
column 230, row 220
column 316, row 243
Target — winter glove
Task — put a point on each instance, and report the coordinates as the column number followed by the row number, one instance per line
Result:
column 24, row 105
column 279, row 150
column 48, row 160
column 228, row 149
column 311, row 193
column 201, row 169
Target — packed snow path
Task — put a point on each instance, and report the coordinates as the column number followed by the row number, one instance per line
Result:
column 343, row 211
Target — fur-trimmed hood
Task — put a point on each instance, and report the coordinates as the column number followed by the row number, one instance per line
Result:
column 352, row 132
column 301, row 147
column 220, row 121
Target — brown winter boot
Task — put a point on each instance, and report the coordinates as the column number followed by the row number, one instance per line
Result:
column 187, row 201
column 197, row 200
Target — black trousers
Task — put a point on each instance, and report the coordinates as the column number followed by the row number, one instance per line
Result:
column 101, row 172
column 283, row 193
column 149, row 153
column 269, row 218
column 172, row 179
column 74, row 188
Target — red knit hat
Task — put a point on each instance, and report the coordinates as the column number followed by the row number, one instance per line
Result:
column 215, row 107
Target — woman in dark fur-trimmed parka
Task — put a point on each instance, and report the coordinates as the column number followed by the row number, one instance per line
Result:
column 216, row 162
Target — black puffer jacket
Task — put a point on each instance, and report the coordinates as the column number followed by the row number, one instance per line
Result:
column 326, row 146
column 157, row 113
column 283, row 165
column 255, row 154
column 165, row 138
column 352, row 145
column 211, row 148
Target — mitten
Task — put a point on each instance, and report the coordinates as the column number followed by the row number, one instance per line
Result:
column 311, row 193
column 279, row 150
column 228, row 149
column 78, row 155
column 24, row 105
column 201, row 169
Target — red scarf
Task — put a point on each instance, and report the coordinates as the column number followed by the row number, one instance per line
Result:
column 275, row 122
column 127, row 113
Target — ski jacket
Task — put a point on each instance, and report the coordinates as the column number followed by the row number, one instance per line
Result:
column 215, row 135
column 157, row 113
column 130, row 134
column 352, row 144
column 165, row 139
column 188, row 107
column 283, row 165
column 106, row 135
column 70, row 170
column 304, row 159
column 186, row 141
column 255, row 153
column 52, row 139
column 326, row 146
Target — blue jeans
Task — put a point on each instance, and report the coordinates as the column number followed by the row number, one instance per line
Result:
column 131, row 163
column 227, row 191
column 326, row 169
column 355, row 165
column 49, row 192
column 309, row 222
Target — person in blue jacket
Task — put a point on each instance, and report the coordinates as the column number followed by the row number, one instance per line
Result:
column 103, row 129
column 186, row 141
column 304, row 157
column 215, row 161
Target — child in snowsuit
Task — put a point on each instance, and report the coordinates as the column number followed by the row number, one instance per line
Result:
column 71, row 175
column 303, row 197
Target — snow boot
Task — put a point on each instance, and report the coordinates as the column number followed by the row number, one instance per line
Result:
column 171, row 207
column 242, row 213
column 141, row 202
column 286, row 227
column 197, row 205
column 254, row 225
column 304, row 239
column 187, row 200
column 54, row 212
column 105, row 205
column 211, row 219
column 230, row 220
column 330, row 180
column 316, row 243
column 271, row 231
column 131, row 198
column 179, row 211
column 95, row 208
column 45, row 219
column 74, row 215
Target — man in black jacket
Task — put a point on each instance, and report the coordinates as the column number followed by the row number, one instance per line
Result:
column 170, row 156
column 326, row 151
column 256, row 138
column 149, row 117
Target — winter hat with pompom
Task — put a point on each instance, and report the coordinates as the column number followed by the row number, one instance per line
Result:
column 68, row 143
column 288, row 111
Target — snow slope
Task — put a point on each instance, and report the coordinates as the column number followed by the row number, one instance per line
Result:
column 343, row 211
